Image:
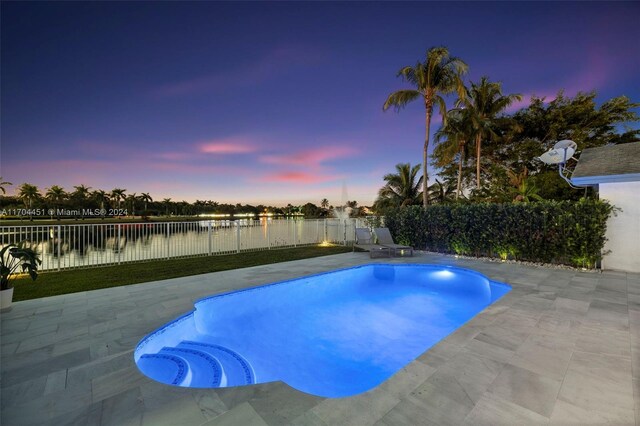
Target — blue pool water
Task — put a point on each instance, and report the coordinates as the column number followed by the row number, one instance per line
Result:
column 334, row 334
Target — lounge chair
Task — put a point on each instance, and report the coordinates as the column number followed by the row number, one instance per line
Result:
column 364, row 241
column 386, row 240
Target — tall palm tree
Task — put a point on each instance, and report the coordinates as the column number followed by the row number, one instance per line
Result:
column 439, row 75
column 145, row 198
column 131, row 201
column 401, row 188
column 167, row 203
column 118, row 195
column 3, row 184
column 56, row 195
column 324, row 203
column 484, row 102
column 453, row 140
column 81, row 195
column 81, row 192
column 28, row 194
column 101, row 197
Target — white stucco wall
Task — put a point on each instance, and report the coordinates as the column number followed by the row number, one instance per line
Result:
column 623, row 230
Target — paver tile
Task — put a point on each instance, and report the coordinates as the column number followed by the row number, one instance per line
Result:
column 530, row 390
column 242, row 414
column 492, row 410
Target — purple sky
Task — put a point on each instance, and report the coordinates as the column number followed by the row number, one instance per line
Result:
column 269, row 102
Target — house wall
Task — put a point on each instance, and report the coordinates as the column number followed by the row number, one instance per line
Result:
column 623, row 230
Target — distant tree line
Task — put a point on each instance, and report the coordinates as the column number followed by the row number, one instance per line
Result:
column 55, row 198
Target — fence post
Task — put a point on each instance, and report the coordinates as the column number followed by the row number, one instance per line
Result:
column 325, row 230
column 295, row 233
column 168, row 241
column 210, row 242
column 59, row 256
column 344, row 238
column 118, row 244
column 237, row 236
column 266, row 221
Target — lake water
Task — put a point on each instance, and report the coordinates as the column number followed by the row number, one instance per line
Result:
column 79, row 245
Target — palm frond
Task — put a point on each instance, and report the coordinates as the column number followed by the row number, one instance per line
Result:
column 400, row 99
column 410, row 74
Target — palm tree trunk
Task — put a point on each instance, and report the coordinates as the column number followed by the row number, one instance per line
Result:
column 425, row 197
column 460, row 171
column 478, row 142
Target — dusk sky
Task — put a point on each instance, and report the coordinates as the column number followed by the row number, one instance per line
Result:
column 270, row 103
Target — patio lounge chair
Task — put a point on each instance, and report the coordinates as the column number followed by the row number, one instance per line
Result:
column 386, row 240
column 364, row 240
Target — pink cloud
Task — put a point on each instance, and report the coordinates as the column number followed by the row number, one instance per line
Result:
column 310, row 158
column 594, row 74
column 231, row 145
column 297, row 178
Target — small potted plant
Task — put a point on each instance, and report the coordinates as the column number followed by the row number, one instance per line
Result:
column 15, row 259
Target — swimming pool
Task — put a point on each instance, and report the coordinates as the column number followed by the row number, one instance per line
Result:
column 334, row 334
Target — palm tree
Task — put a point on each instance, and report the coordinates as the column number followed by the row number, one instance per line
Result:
column 439, row 75
column 145, row 198
column 81, row 194
column 131, row 201
column 324, row 203
column 28, row 194
column 484, row 102
column 101, row 197
column 401, row 188
column 453, row 140
column 118, row 195
column 440, row 193
column 56, row 195
column 3, row 184
column 167, row 203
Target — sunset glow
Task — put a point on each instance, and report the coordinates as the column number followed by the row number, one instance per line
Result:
column 270, row 103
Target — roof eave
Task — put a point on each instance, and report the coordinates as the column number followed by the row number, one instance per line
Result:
column 595, row 180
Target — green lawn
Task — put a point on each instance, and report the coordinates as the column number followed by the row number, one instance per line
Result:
column 55, row 283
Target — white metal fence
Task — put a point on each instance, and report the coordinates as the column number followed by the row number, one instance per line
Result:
column 68, row 246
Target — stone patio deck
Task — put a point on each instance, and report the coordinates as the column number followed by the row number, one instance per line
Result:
column 563, row 347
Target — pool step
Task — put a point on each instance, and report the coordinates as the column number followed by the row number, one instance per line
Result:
column 237, row 370
column 198, row 365
column 164, row 368
column 206, row 371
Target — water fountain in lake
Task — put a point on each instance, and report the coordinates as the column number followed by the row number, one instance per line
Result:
column 342, row 214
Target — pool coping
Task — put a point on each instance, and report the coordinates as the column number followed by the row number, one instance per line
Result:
column 530, row 357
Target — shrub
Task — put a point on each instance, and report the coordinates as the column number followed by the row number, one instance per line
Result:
column 564, row 232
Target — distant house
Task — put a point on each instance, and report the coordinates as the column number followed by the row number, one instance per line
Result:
column 615, row 170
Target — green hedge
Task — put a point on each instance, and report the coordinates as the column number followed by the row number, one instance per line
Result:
column 564, row 232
